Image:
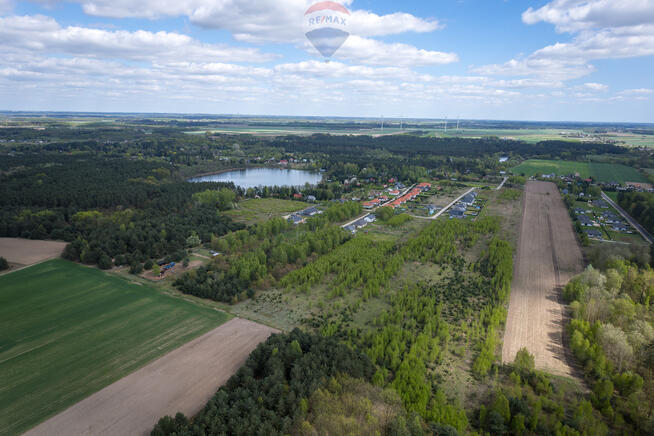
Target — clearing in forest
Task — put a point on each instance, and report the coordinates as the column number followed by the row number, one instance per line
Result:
column 548, row 256
column 182, row 381
column 262, row 209
column 67, row 331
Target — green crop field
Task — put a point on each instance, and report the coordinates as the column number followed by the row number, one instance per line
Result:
column 559, row 167
column 605, row 172
column 66, row 331
column 601, row 172
column 262, row 209
column 527, row 135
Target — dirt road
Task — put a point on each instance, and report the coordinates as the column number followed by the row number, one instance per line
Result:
column 548, row 256
column 182, row 380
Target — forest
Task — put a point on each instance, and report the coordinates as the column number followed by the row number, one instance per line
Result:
column 640, row 205
column 111, row 210
column 611, row 335
column 259, row 256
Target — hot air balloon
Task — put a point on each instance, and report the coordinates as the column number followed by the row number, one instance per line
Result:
column 326, row 26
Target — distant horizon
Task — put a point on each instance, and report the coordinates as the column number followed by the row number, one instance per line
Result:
column 323, row 117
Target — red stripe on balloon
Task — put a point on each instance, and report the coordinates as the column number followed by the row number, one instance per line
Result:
column 327, row 5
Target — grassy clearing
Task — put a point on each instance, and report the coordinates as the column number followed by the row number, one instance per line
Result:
column 506, row 204
column 67, row 331
column 532, row 167
column 262, row 209
column 601, row 172
column 605, row 172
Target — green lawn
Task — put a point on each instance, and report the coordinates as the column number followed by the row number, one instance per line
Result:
column 262, row 209
column 66, row 331
column 601, row 172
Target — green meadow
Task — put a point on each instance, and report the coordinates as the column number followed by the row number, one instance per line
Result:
column 67, row 331
column 262, row 209
column 601, row 172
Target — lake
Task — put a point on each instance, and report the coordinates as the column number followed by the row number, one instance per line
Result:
column 253, row 177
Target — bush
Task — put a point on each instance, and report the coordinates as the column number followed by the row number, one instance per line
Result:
column 524, row 362
column 3, row 264
column 135, row 268
column 105, row 262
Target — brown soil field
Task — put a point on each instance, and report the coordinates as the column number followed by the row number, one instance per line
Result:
column 23, row 252
column 548, row 256
column 181, row 381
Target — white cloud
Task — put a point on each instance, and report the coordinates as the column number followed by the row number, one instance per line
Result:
column 602, row 29
column 575, row 15
column 282, row 21
column 542, row 67
column 596, row 86
column 255, row 21
column 44, row 34
column 274, row 21
column 6, row 6
column 373, row 52
column 151, row 9
column 366, row 23
column 637, row 91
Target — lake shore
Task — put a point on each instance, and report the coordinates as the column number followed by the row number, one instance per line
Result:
column 259, row 176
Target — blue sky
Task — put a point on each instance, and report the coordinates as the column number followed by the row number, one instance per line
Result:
column 569, row 60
